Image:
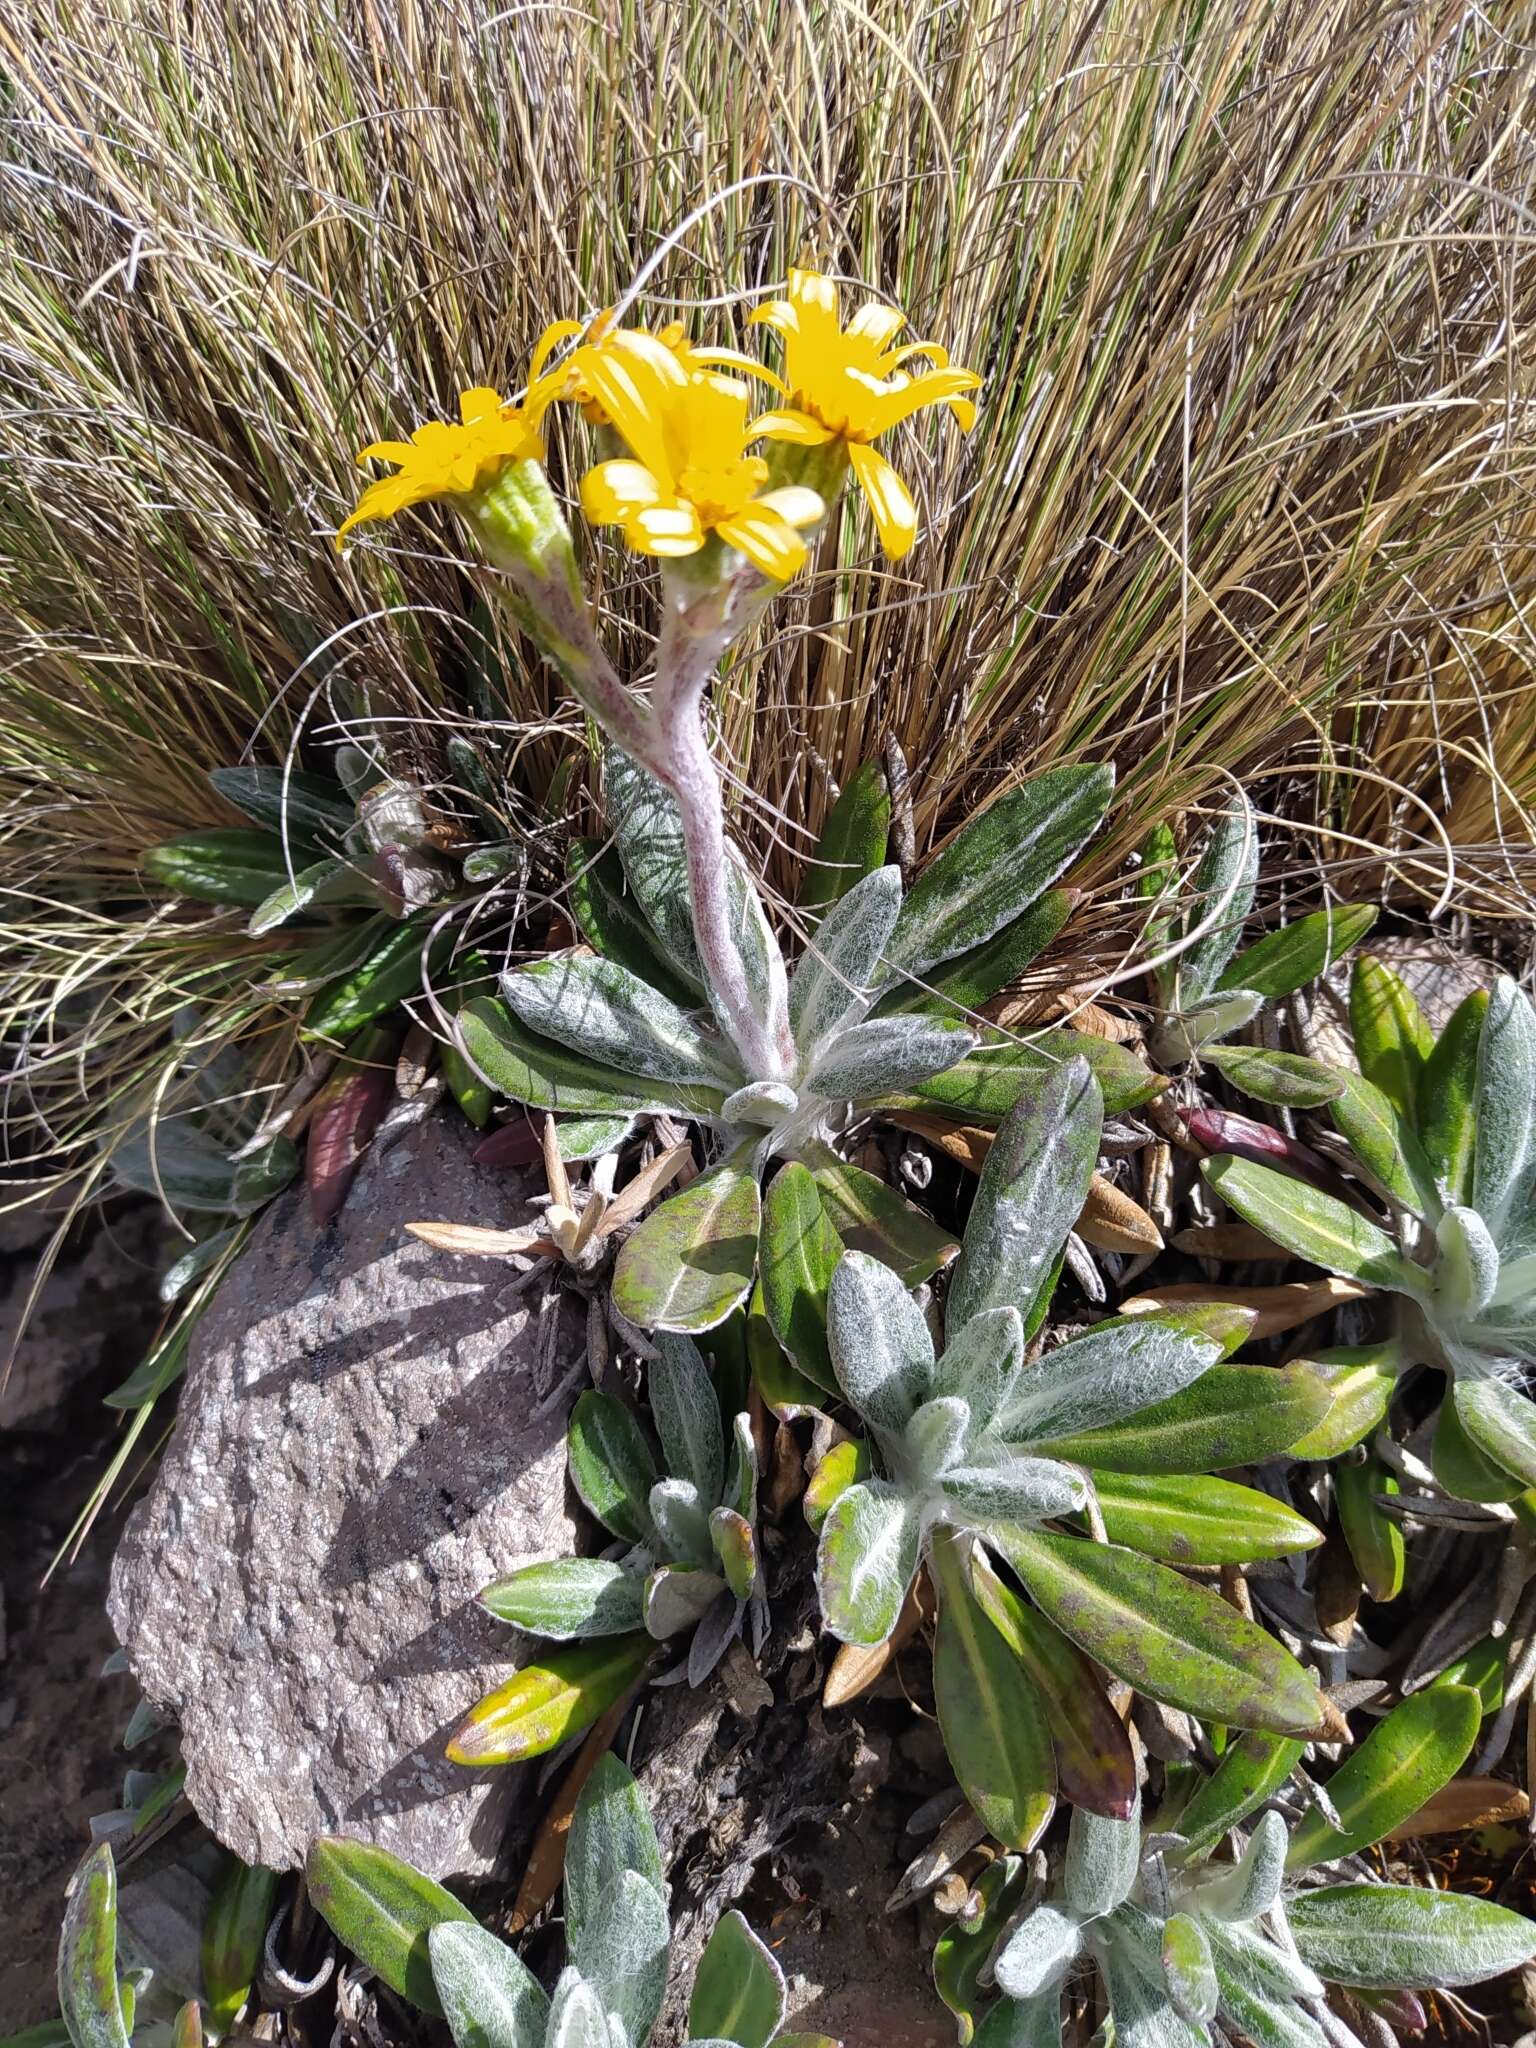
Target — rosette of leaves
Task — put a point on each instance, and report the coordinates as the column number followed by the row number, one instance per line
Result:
column 1206, row 988
column 354, row 865
column 1442, row 1138
column 988, row 1468
column 875, row 1012
column 428, row 1948
column 689, row 1561
column 1192, row 1948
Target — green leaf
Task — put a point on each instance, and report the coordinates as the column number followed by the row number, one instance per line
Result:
column 1383, row 1140
column 691, row 1261
column 1407, row 1935
column 569, row 1598
column 611, row 1465
column 983, row 1087
column 1255, row 1766
column 1166, row 1637
column 993, row 1721
column 490, row 1997
column 1404, row 1761
column 886, row 1054
column 231, row 865
column 1447, row 1099
column 600, row 1011
column 1279, row 1077
column 611, row 1831
column 1392, row 1040
column 1461, row 1468
column 677, row 1597
column 965, row 983
column 1222, row 898
column 1375, row 1541
column 798, row 1252
column 842, row 958
column 1361, row 1380
column 1099, row 1378
column 880, row 1345
column 1482, row 1668
column 391, row 974
column 681, row 1519
column 611, row 919
column 288, row 801
column 382, row 1910
column 738, row 1993
column 1102, row 1864
column 1256, row 1984
column 865, row 1562
column 869, row 1216
column 88, row 1994
column 1094, row 1764
column 686, row 1412
column 852, row 843
column 965, row 1943
column 1188, row 1970
column 324, row 881
column 1232, row 1415
column 998, row 864
column 623, row 1954
column 546, row 1703
column 526, row 1068
column 783, row 1387
column 654, row 855
column 1188, row 1520
column 1288, row 958
column 841, row 1467
column 735, row 1545
column 234, row 1933
column 1313, row 1225
column 1500, row 1423
column 1504, row 1177
column 1031, row 1192
column 161, row 1368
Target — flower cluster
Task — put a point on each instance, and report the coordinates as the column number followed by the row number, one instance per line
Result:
column 691, row 476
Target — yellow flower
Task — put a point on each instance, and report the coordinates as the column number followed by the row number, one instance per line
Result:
column 847, row 384
column 443, row 460
column 572, row 378
column 690, row 475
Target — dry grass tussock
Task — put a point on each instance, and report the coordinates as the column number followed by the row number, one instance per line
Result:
column 1251, row 286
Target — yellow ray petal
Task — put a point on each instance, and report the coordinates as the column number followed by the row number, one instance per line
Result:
column 614, row 490
column 768, row 541
column 665, row 530
column 478, row 404
column 789, row 425
column 633, row 378
column 737, row 359
column 892, row 407
column 888, row 498
column 554, row 334
column 386, row 451
column 877, row 323
column 964, row 411
column 778, row 314
column 794, row 503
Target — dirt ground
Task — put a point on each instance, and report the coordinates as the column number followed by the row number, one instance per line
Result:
column 59, row 1720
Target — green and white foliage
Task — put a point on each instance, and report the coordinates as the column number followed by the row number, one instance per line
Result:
column 1194, row 1949
column 1206, row 988
column 1442, row 1133
column 429, row 1949
column 875, row 1010
column 686, row 1521
column 977, row 1455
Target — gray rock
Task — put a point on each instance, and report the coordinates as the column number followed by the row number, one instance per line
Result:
column 369, row 1431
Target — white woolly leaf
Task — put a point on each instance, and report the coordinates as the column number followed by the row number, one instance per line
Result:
column 1038, row 1953
column 686, row 1412
column 881, row 1350
column 867, row 1556
column 489, row 1996
column 1103, row 1858
column 838, row 965
column 1099, row 1378
column 884, row 1055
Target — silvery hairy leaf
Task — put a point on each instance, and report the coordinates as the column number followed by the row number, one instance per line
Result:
column 1016, row 1489
column 681, row 1518
column 980, row 1363
column 881, row 1350
column 490, row 1997
column 839, row 963
column 1223, row 891
column 595, row 1006
column 1466, row 1263
column 1249, row 1888
column 1103, row 1858
column 626, row 1952
column 935, row 1438
column 865, row 1561
column 1099, row 1378
column 1038, row 1953
column 686, row 1413
column 576, row 2018
column 611, row 1830
column 885, row 1054
column 1504, row 1172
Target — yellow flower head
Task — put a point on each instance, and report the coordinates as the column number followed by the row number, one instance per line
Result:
column 848, row 384
column 572, row 378
column 690, row 475
column 443, row 460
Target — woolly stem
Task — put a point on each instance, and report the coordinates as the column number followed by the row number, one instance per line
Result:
column 698, row 626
